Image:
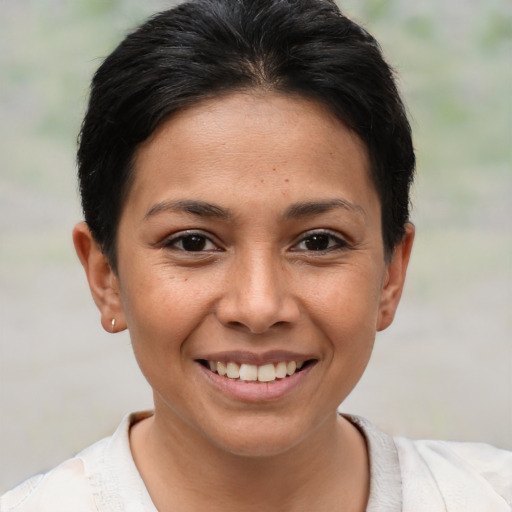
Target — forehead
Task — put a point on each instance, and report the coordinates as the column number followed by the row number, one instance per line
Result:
column 249, row 141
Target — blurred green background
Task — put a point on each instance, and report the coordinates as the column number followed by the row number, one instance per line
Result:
column 443, row 370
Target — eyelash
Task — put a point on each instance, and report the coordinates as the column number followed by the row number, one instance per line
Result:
column 172, row 243
column 334, row 242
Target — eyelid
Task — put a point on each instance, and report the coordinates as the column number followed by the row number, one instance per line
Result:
column 341, row 241
column 171, row 240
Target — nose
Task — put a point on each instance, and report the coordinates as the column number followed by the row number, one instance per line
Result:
column 258, row 296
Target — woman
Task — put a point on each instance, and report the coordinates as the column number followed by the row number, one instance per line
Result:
column 245, row 169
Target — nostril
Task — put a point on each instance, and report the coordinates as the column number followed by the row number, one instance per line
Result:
column 237, row 325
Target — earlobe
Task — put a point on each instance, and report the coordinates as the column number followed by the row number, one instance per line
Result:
column 395, row 279
column 102, row 280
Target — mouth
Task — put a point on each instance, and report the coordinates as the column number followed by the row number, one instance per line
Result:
column 265, row 373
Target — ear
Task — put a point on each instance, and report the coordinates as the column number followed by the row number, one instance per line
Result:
column 394, row 279
column 103, row 281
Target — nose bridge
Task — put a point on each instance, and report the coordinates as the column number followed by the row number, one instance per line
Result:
column 260, row 279
column 258, row 294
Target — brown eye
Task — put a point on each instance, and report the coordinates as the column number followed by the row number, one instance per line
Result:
column 193, row 243
column 317, row 242
column 320, row 241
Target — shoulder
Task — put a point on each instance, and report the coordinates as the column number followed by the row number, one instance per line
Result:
column 64, row 488
column 102, row 478
column 474, row 476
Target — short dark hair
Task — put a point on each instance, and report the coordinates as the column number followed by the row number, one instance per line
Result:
column 206, row 48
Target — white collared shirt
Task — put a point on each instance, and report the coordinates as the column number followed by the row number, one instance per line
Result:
column 406, row 476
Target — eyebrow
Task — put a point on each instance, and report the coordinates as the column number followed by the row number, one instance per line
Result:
column 309, row 208
column 297, row 210
column 192, row 207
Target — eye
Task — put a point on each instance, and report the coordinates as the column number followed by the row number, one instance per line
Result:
column 320, row 241
column 191, row 242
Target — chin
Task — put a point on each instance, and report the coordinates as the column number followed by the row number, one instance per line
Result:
column 258, row 446
column 263, row 436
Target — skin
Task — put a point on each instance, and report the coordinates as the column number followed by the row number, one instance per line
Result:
column 255, row 177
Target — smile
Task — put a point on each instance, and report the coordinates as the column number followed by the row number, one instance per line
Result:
column 244, row 372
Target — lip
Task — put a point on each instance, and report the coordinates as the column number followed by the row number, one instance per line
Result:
column 253, row 392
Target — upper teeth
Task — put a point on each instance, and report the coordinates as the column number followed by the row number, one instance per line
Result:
column 251, row 372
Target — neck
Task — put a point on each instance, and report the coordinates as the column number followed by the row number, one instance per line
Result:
column 184, row 472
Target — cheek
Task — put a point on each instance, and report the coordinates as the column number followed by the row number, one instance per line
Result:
column 344, row 309
column 163, row 306
column 344, row 302
column 346, row 317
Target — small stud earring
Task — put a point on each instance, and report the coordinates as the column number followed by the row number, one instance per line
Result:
column 113, row 324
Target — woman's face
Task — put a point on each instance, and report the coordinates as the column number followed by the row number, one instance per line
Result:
column 251, row 242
